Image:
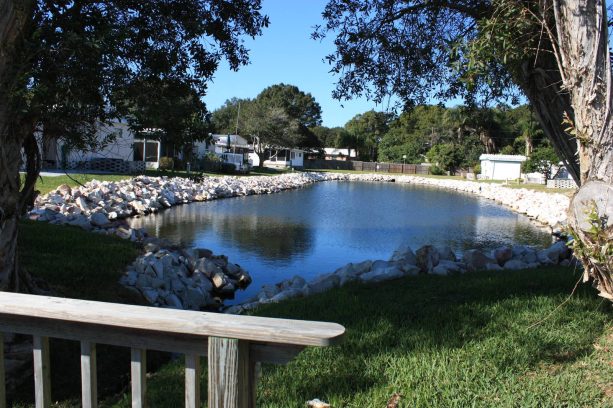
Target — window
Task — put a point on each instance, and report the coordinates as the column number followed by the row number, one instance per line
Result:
column 292, row 155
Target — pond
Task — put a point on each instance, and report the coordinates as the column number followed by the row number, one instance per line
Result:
column 322, row 227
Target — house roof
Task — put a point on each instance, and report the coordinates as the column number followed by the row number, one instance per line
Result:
column 503, row 157
column 332, row 151
column 235, row 140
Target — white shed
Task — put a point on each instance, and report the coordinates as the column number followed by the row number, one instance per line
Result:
column 501, row 166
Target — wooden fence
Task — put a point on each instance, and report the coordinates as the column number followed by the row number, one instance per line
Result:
column 398, row 168
column 234, row 344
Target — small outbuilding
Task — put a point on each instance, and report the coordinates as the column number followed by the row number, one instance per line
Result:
column 501, row 166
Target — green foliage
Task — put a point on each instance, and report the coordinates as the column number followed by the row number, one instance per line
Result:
column 447, row 156
column 227, row 168
column 298, row 105
column 166, row 163
column 170, row 106
column 540, row 161
column 88, row 62
column 473, row 131
column 281, row 115
column 436, row 170
column 334, row 137
column 368, row 129
column 508, row 149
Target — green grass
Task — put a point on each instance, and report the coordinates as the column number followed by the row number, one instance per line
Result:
column 46, row 184
column 76, row 263
column 442, row 342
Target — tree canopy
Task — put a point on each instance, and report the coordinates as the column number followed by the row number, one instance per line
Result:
column 280, row 116
column 478, row 50
column 63, row 63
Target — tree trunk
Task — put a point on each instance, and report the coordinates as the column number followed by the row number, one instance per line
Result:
column 584, row 62
column 15, row 19
column 541, row 85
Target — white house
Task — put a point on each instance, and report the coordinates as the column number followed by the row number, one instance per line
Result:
column 118, row 145
column 284, row 158
column 501, row 166
column 332, row 153
column 233, row 149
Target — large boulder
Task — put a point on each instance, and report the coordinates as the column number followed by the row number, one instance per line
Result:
column 446, row 267
column 208, row 267
column 554, row 254
column 346, row 274
column 476, row 260
column 446, row 253
column 323, row 284
column 502, row 254
column 286, row 294
column 427, row 258
column 404, row 254
column 99, row 220
column 382, row 271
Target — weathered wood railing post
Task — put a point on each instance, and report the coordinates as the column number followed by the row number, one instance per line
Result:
column 193, row 371
column 42, row 374
column 89, row 386
column 139, row 378
column 229, row 382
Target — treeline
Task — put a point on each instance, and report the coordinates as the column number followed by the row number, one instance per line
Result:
column 450, row 138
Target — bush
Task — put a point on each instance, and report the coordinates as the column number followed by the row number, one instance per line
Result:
column 477, row 168
column 227, row 168
column 436, row 171
column 166, row 163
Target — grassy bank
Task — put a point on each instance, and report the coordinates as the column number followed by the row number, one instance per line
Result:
column 78, row 264
column 472, row 340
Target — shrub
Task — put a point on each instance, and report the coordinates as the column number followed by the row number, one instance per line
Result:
column 166, row 163
column 477, row 168
column 227, row 168
column 436, row 171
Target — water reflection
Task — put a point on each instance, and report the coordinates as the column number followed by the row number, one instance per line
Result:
column 274, row 239
column 322, row 227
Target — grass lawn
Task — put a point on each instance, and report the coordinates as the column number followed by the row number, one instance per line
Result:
column 46, row 184
column 76, row 263
column 442, row 342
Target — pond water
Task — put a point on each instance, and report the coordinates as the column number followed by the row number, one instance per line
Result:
column 322, row 227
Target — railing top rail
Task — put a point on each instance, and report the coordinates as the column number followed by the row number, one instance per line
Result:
column 143, row 318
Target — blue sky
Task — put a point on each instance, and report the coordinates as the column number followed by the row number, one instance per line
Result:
column 286, row 53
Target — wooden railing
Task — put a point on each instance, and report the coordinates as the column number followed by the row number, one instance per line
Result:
column 233, row 344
